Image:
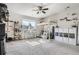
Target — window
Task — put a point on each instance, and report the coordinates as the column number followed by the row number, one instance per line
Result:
column 28, row 24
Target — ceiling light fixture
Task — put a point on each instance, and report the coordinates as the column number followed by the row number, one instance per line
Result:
column 41, row 8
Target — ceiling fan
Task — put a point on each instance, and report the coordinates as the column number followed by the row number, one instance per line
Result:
column 41, row 8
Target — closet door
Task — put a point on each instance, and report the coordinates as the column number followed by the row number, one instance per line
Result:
column 65, row 35
column 78, row 35
column 56, row 34
column 60, row 35
column 72, row 36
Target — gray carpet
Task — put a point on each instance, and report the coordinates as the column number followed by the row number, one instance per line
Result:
column 40, row 47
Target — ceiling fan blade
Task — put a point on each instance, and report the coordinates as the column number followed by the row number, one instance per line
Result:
column 35, row 10
column 43, row 12
column 40, row 7
column 38, row 12
column 45, row 9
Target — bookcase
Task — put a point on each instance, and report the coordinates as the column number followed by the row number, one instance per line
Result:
column 10, row 30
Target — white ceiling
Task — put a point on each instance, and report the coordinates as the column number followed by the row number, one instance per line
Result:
column 27, row 8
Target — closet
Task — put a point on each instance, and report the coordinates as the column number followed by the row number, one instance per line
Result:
column 67, row 35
